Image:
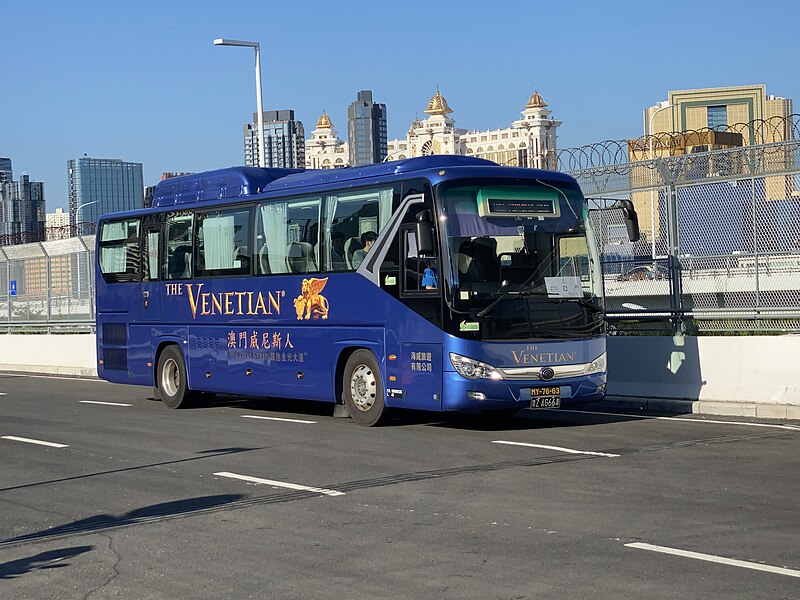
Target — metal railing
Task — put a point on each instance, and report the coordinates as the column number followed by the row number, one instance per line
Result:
column 48, row 286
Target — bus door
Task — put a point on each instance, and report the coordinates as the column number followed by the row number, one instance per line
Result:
column 420, row 338
column 150, row 296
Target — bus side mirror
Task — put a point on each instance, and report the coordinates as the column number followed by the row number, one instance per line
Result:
column 631, row 219
column 424, row 234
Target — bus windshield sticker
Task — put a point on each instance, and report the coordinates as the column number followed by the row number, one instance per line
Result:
column 472, row 326
column 564, row 287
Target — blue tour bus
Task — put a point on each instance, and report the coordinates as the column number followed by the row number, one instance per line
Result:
column 440, row 283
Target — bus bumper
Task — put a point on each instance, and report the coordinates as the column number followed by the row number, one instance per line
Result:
column 459, row 393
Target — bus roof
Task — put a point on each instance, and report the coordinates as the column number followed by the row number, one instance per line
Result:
column 240, row 182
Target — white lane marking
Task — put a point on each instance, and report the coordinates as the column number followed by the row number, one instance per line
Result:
column 14, row 438
column 682, row 419
column 104, row 403
column 282, row 484
column 558, row 448
column 3, row 394
column 716, row 559
column 276, row 419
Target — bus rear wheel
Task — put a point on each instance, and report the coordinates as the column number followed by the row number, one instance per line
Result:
column 363, row 389
column 171, row 378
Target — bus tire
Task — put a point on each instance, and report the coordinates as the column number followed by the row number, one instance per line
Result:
column 171, row 378
column 362, row 389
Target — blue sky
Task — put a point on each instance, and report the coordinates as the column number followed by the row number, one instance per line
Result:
column 142, row 81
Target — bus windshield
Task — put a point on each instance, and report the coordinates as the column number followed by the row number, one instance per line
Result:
column 520, row 257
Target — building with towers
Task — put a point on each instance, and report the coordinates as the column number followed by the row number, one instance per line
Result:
column 325, row 150
column 528, row 142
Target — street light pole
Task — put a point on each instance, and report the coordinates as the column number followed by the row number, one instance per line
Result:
column 259, row 105
column 77, row 212
column 652, row 200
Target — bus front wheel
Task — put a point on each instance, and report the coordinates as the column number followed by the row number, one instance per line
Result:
column 363, row 389
column 171, row 378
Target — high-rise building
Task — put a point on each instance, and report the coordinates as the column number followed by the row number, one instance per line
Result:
column 102, row 185
column 718, row 109
column 366, row 130
column 21, row 211
column 57, row 225
column 5, row 170
column 284, row 139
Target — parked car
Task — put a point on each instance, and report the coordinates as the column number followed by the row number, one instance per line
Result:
column 644, row 272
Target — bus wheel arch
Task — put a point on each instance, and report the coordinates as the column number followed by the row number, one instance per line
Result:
column 171, row 376
column 359, row 385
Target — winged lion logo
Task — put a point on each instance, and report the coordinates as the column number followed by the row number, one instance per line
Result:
column 310, row 303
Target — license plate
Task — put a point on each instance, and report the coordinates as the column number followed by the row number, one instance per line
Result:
column 546, row 397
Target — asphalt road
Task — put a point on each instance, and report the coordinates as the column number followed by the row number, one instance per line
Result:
column 222, row 501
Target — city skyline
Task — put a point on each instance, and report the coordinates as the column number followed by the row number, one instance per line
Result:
column 150, row 87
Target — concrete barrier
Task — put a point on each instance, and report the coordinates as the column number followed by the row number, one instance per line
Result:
column 727, row 375
column 755, row 376
column 67, row 354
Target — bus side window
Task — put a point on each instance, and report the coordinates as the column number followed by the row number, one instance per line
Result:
column 119, row 250
column 222, row 242
column 178, row 247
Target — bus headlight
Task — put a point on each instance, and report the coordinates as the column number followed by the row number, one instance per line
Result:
column 473, row 369
column 598, row 365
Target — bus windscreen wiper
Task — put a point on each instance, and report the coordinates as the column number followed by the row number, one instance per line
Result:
column 503, row 296
column 507, row 294
column 534, row 292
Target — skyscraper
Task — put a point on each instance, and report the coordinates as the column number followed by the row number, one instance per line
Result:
column 284, row 139
column 366, row 130
column 5, row 169
column 102, row 185
column 21, row 211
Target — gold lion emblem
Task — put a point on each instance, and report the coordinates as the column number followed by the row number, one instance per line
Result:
column 310, row 303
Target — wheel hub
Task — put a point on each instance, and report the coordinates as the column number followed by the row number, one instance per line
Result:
column 363, row 387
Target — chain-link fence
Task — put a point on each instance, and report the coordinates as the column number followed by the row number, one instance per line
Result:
column 720, row 247
column 48, row 286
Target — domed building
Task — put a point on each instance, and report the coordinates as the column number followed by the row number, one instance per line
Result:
column 528, row 142
column 325, row 150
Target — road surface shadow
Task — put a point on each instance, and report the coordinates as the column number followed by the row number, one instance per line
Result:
column 52, row 559
column 578, row 415
column 153, row 513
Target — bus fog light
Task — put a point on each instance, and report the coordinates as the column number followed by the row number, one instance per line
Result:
column 476, row 395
